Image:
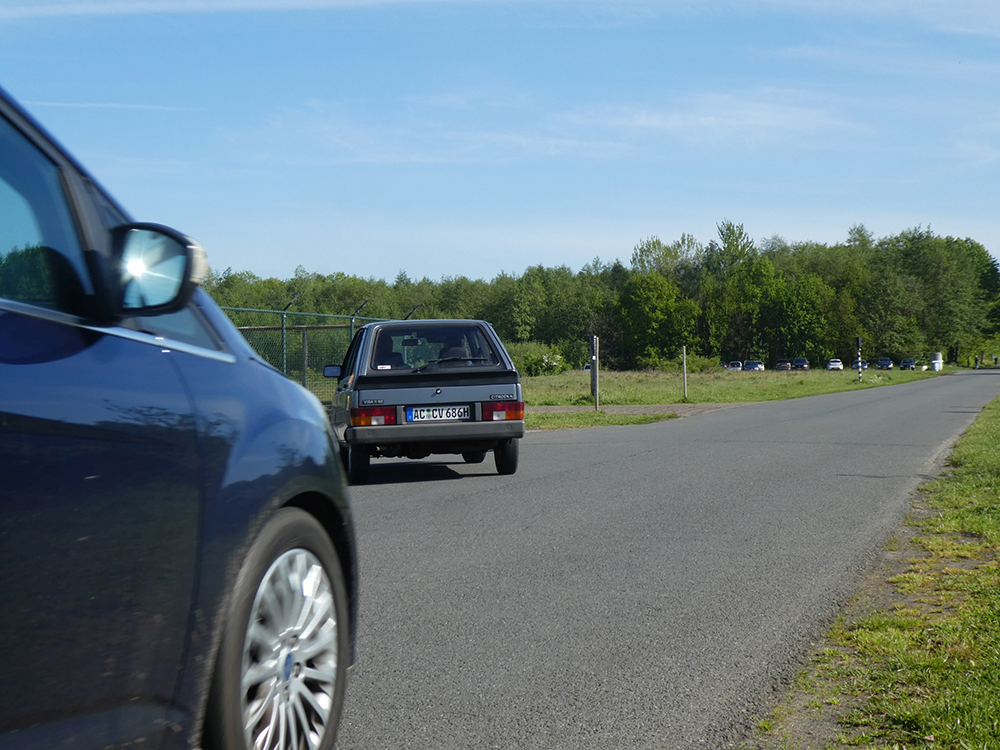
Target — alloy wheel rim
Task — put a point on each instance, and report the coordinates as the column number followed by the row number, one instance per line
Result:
column 289, row 664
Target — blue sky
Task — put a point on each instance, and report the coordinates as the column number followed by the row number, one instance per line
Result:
column 472, row 137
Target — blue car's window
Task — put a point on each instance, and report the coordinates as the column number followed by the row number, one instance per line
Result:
column 113, row 216
column 41, row 262
column 184, row 325
column 423, row 346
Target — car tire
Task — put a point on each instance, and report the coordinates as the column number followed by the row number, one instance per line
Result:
column 474, row 458
column 285, row 648
column 358, row 464
column 505, row 456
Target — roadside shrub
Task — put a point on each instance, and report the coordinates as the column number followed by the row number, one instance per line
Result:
column 701, row 364
column 533, row 358
column 574, row 351
column 695, row 363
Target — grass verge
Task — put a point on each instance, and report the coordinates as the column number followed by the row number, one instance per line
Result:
column 722, row 387
column 563, row 420
column 915, row 660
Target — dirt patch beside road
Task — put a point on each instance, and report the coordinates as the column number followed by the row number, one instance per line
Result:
column 681, row 410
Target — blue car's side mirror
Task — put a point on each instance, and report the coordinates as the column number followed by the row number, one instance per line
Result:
column 331, row 371
column 158, row 268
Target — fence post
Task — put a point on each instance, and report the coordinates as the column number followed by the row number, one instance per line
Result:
column 684, row 367
column 284, row 347
column 595, row 358
column 305, row 357
column 354, row 315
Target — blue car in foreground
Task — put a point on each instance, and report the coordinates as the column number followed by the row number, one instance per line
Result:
column 176, row 544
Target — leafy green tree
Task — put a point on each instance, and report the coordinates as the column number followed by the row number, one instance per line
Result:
column 561, row 301
column 889, row 308
column 604, row 283
column 843, row 326
column 652, row 256
column 512, row 307
column 659, row 321
column 858, row 236
column 734, row 248
column 460, row 297
column 904, row 294
column 730, row 294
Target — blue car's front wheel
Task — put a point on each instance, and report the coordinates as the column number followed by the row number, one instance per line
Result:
column 281, row 669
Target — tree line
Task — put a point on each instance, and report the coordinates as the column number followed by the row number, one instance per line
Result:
column 906, row 295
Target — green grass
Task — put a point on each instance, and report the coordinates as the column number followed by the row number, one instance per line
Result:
column 935, row 671
column 562, row 420
column 721, row 387
column 924, row 672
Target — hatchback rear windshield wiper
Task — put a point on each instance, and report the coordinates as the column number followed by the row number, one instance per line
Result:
column 451, row 359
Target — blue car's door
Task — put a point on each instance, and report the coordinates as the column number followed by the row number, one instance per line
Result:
column 100, row 488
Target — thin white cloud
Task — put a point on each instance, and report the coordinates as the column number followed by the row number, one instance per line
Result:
column 981, row 17
column 726, row 119
column 471, row 100
column 319, row 132
column 913, row 60
column 108, row 105
column 330, row 133
column 17, row 9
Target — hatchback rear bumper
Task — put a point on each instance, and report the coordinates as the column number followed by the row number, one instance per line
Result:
column 435, row 433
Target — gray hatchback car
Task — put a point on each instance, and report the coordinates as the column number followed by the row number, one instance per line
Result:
column 420, row 387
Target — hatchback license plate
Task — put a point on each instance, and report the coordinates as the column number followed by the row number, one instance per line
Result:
column 437, row 413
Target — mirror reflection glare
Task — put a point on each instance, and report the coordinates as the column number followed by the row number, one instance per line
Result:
column 154, row 266
column 136, row 267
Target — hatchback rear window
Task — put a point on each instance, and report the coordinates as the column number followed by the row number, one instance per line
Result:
column 432, row 347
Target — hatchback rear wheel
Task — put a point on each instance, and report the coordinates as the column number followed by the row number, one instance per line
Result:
column 358, row 464
column 505, row 456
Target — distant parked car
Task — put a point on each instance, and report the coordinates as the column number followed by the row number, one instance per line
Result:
column 908, row 364
column 800, row 363
column 783, row 364
column 859, row 363
column 753, row 365
column 883, row 363
column 735, row 365
column 834, row 364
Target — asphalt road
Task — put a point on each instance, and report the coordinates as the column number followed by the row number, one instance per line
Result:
column 630, row 587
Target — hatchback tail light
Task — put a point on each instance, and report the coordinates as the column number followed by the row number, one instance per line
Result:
column 371, row 416
column 498, row 411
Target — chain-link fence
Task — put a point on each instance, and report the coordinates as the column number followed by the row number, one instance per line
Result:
column 299, row 344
